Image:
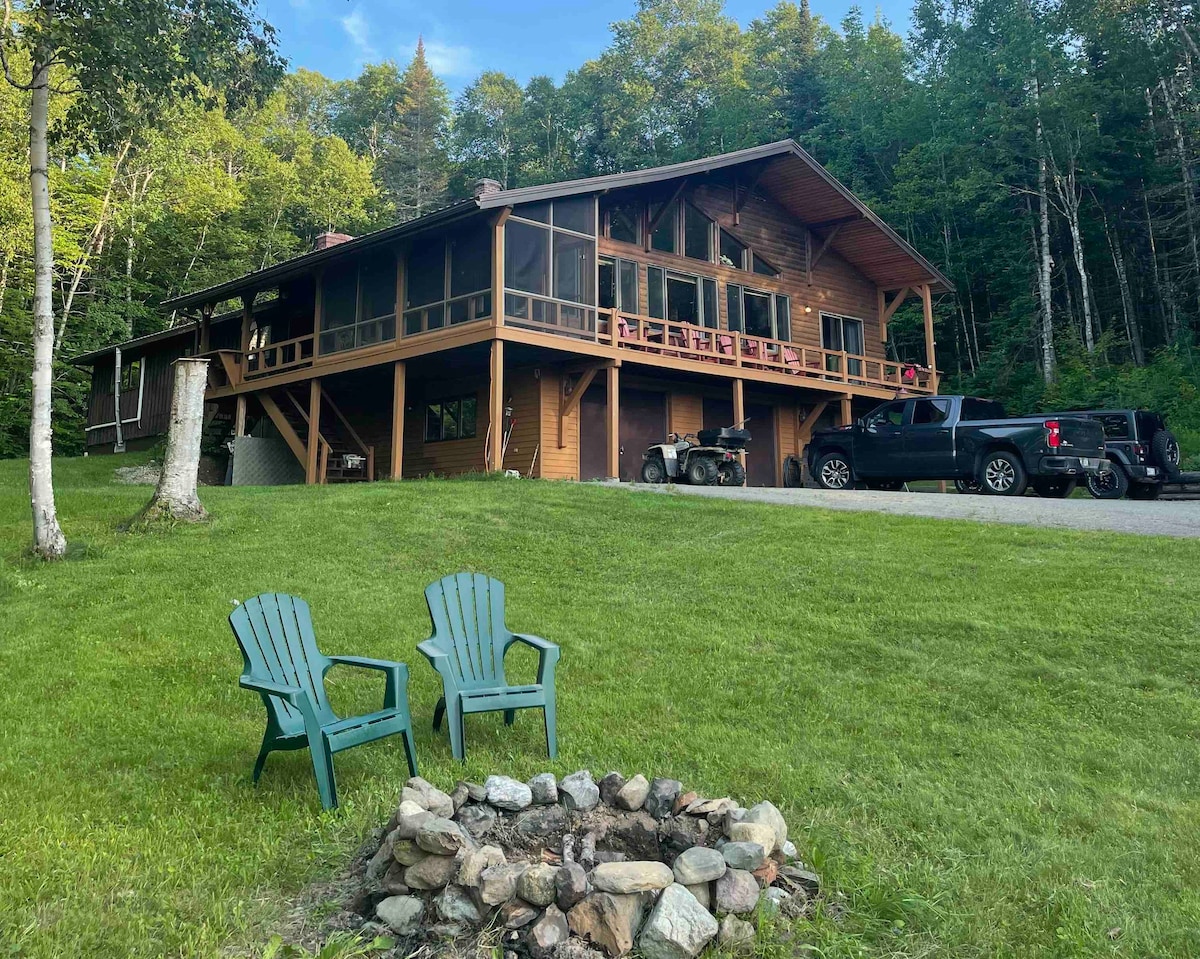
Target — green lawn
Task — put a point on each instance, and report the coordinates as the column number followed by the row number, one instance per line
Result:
column 984, row 736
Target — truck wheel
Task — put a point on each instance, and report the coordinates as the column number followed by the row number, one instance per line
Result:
column 1111, row 484
column 654, row 470
column 1145, row 491
column 702, row 472
column 731, row 473
column 1003, row 475
column 1165, row 448
column 1054, row 488
column 833, row 472
column 793, row 472
column 967, row 486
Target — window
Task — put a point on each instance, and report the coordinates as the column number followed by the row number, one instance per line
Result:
column 681, row 297
column 665, row 237
column 697, row 234
column 757, row 313
column 733, row 251
column 358, row 303
column 930, row 412
column 618, row 285
column 448, row 281
column 550, row 265
column 450, row 419
column 889, row 415
column 625, row 221
column 1116, row 426
column 842, row 333
column 762, row 267
column 974, row 408
column 131, row 375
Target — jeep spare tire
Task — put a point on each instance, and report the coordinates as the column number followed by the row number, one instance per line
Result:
column 1165, row 448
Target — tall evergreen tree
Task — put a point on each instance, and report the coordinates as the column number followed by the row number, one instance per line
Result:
column 415, row 170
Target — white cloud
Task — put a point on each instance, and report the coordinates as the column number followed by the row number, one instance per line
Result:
column 450, row 60
column 356, row 26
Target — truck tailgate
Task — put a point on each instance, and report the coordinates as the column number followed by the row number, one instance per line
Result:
column 1082, row 437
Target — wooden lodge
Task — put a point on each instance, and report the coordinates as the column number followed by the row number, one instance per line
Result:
column 555, row 330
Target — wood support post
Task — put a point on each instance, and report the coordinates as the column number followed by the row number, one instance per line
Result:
column 311, row 473
column 205, row 328
column 495, row 451
column 739, row 410
column 612, row 422
column 805, row 431
column 239, row 415
column 846, row 411
column 930, row 343
column 498, row 265
column 398, row 400
column 247, row 320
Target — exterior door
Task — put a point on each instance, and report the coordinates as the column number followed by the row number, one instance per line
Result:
column 928, row 439
column 643, row 423
column 593, row 462
column 879, row 439
column 760, row 451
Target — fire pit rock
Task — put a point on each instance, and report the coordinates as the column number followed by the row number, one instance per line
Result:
column 575, row 869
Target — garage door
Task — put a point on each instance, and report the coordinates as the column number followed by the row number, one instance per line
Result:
column 643, row 423
column 592, row 459
column 760, row 451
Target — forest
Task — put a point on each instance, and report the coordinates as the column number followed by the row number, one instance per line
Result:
column 1041, row 152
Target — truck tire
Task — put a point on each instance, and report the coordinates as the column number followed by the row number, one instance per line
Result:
column 1003, row 474
column 833, row 472
column 1165, row 448
column 731, row 473
column 1145, row 491
column 1054, row 488
column 1111, row 484
column 654, row 470
column 702, row 471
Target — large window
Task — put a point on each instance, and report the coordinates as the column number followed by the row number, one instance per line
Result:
column 358, row 303
column 550, row 266
column 842, row 333
column 447, row 281
column 623, row 220
column 682, row 229
column 757, row 313
column 618, row 285
column 451, row 419
column 682, row 297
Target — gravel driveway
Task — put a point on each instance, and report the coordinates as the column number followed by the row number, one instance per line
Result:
column 1164, row 517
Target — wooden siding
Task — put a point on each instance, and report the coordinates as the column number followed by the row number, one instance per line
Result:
column 159, row 379
column 522, row 392
column 445, row 457
column 685, row 412
column 555, row 463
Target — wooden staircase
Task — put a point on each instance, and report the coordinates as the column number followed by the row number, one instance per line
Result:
column 342, row 456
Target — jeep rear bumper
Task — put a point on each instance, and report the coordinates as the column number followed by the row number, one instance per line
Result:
column 1145, row 474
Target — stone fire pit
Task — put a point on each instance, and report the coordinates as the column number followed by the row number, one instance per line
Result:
column 575, row 869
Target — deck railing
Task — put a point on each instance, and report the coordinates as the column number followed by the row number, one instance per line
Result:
column 730, row 348
column 276, row 357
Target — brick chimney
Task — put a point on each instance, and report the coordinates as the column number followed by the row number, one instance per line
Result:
column 487, row 187
column 325, row 240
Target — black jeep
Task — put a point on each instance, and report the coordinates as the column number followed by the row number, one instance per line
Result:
column 1144, row 454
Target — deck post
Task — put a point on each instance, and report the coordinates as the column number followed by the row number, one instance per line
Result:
column 239, row 415
column 612, row 422
column 930, row 344
column 498, row 265
column 739, row 410
column 846, row 412
column 247, row 318
column 398, row 400
column 495, row 451
column 311, row 474
column 206, row 313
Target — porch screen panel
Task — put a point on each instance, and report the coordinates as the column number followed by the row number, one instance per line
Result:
column 550, row 269
column 339, row 306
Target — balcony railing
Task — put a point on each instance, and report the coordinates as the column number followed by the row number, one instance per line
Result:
column 277, row 357
column 731, row 348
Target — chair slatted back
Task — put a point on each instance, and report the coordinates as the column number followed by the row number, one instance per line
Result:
column 276, row 637
column 467, row 610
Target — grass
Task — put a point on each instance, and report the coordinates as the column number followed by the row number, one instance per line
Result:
column 983, row 736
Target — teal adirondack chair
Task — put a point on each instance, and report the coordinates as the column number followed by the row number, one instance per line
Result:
column 283, row 665
column 467, row 649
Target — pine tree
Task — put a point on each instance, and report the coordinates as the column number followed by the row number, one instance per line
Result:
column 416, row 168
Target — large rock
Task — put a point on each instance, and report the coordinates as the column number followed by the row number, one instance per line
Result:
column 661, row 797
column 550, row 930
column 544, row 788
column 703, row 893
column 474, row 861
column 766, row 813
column 678, row 927
column 684, row 800
column 393, row 881
column 757, row 832
column 699, row 864
column 498, row 884
column 401, row 914
column 678, row 833
column 608, row 921
column 736, row 934
column 382, row 859
column 610, row 786
column 407, row 852
column 537, row 884
column 633, row 794
column 455, row 904
column 460, row 794
column 744, row 855
column 577, row 791
column 428, row 796
column 504, row 792
column 542, row 822
column 737, row 891
column 624, row 878
column 409, row 818
column 432, row 872
column 516, row 913
column 443, row 837
column 570, row 885
column 477, row 819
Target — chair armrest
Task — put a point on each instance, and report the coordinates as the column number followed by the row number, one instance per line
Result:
column 395, row 693
column 289, row 694
column 548, row 654
column 440, row 661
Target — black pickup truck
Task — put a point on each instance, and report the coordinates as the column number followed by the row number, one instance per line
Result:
column 959, row 438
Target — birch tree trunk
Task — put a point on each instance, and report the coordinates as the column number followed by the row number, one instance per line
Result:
column 1067, row 188
column 48, row 539
column 1049, row 361
column 1185, row 175
column 1132, row 328
column 175, row 496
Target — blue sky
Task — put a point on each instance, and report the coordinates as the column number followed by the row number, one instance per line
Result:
column 462, row 37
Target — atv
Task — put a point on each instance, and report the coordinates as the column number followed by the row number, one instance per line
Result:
column 711, row 460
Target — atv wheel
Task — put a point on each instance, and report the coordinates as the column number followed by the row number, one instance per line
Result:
column 967, row 486
column 654, row 470
column 1003, row 474
column 1111, row 484
column 1165, row 448
column 731, row 473
column 1145, row 491
column 702, row 472
column 1054, row 488
column 833, row 472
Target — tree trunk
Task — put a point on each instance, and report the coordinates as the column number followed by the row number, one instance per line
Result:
column 1066, row 185
column 1132, row 329
column 1043, row 242
column 175, row 497
column 48, row 539
column 1189, row 199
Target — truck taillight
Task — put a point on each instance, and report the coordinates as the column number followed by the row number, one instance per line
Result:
column 1053, row 434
